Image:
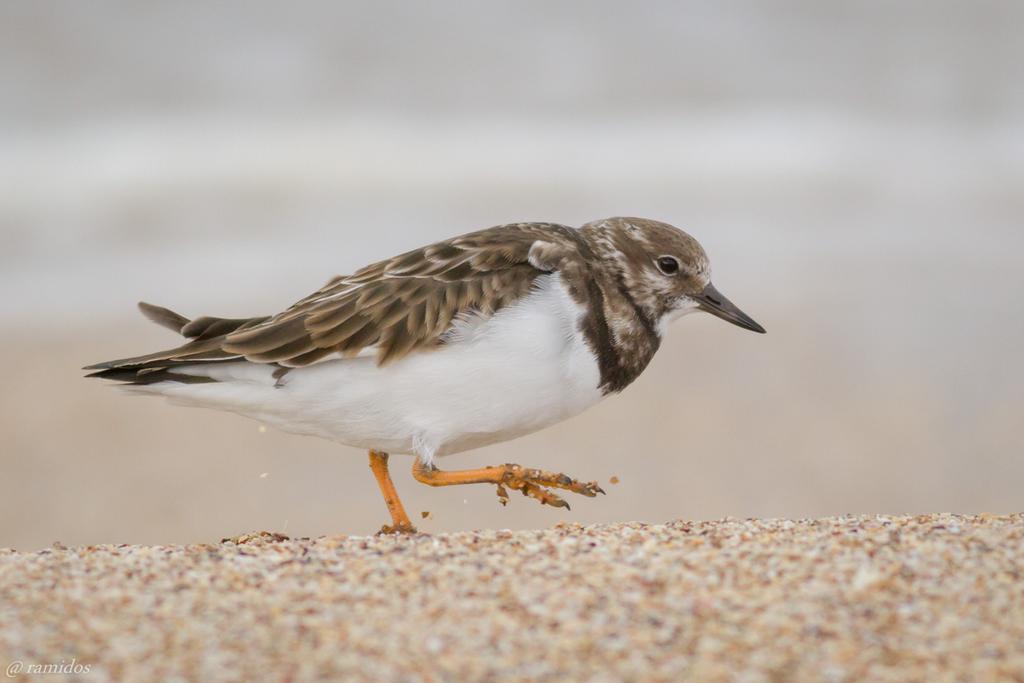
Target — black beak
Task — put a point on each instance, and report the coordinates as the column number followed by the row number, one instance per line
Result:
column 712, row 301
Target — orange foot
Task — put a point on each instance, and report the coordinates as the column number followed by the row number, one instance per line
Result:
column 531, row 482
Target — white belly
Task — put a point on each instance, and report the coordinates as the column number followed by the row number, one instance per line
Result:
column 523, row 369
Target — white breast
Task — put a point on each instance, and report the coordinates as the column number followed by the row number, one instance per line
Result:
column 518, row 371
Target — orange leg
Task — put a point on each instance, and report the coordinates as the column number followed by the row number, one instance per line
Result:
column 400, row 520
column 530, row 481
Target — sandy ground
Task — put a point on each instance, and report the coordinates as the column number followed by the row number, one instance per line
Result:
column 927, row 598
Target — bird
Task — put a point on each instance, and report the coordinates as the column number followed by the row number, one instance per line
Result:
column 464, row 343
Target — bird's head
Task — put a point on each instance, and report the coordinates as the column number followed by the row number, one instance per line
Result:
column 664, row 269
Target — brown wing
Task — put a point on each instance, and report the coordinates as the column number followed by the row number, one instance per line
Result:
column 394, row 307
column 409, row 302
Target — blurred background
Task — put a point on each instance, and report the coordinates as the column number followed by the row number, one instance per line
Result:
column 855, row 170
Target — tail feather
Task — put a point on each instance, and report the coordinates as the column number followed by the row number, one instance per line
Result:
column 164, row 317
column 208, row 327
column 148, row 376
column 205, row 335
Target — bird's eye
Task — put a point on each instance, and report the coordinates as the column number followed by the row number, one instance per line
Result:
column 669, row 265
